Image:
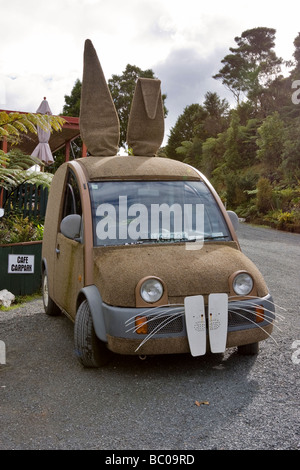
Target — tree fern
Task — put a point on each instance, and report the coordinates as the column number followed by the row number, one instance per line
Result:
column 14, row 125
column 16, row 168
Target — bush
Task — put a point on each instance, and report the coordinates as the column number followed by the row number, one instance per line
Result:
column 264, row 195
column 18, row 229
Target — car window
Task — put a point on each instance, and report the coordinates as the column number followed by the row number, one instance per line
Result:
column 72, row 200
column 154, row 212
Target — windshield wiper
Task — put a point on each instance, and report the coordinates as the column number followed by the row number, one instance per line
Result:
column 215, row 237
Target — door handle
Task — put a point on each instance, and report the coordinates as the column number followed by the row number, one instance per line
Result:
column 57, row 250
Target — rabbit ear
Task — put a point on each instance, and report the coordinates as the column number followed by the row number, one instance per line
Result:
column 99, row 122
column 145, row 130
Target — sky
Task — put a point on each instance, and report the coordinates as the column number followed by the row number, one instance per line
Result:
column 182, row 41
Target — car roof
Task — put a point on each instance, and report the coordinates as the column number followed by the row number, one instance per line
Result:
column 136, row 168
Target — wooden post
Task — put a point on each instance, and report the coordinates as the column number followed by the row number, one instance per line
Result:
column 67, row 150
column 84, row 150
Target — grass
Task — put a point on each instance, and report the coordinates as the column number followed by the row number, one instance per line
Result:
column 20, row 300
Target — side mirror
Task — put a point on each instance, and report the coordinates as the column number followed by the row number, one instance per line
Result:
column 234, row 219
column 70, row 226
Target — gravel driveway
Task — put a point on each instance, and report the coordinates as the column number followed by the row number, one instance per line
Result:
column 170, row 403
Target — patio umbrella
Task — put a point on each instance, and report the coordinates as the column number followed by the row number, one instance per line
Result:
column 42, row 150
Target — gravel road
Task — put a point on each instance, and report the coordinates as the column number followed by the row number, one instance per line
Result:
column 170, row 403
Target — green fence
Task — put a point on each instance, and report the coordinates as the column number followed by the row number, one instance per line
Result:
column 20, row 263
column 20, row 267
column 28, row 199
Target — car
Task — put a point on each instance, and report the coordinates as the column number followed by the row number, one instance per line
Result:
column 139, row 251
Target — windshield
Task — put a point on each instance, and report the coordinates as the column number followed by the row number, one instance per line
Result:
column 154, row 212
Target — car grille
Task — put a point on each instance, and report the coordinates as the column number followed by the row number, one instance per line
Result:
column 175, row 323
column 165, row 324
column 240, row 317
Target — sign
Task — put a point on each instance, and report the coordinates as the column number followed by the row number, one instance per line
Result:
column 20, row 264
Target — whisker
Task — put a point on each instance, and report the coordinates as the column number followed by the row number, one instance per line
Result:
column 159, row 327
column 152, row 309
column 153, row 317
column 255, row 297
column 267, row 317
column 277, row 315
column 257, row 324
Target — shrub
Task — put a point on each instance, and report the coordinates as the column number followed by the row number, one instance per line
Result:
column 264, row 195
column 17, row 229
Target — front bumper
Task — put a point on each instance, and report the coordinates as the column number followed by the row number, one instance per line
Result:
column 167, row 333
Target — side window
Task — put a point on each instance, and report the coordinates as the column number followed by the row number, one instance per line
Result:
column 72, row 201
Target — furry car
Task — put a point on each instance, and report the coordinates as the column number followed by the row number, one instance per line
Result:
column 139, row 251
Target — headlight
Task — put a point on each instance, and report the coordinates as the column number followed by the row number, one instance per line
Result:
column 151, row 290
column 242, row 284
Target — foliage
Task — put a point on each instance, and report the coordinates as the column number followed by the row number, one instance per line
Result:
column 18, row 170
column 16, row 167
column 270, row 143
column 72, row 101
column 14, row 125
column 264, row 196
column 251, row 66
column 251, row 153
column 17, row 229
column 184, row 129
column 122, row 90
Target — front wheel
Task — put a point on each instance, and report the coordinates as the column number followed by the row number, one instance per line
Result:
column 90, row 350
column 249, row 349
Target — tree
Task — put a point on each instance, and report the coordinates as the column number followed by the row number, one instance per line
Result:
column 188, row 126
column 16, row 169
column 213, row 150
column 233, row 75
column 296, row 53
column 264, row 195
column 291, row 152
column 190, row 152
column 216, row 120
column 14, row 125
column 122, row 90
column 252, row 65
column 270, row 142
column 14, row 165
column 72, row 101
column 232, row 155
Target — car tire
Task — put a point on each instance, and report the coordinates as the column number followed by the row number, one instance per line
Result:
column 89, row 349
column 249, row 349
column 50, row 306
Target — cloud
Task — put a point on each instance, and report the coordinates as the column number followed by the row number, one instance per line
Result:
column 186, row 77
column 182, row 42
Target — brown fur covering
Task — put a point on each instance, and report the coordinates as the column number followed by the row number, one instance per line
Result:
column 99, row 122
column 118, row 269
column 181, row 345
column 52, row 221
column 145, row 131
column 141, row 168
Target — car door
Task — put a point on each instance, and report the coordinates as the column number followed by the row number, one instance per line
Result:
column 69, row 253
